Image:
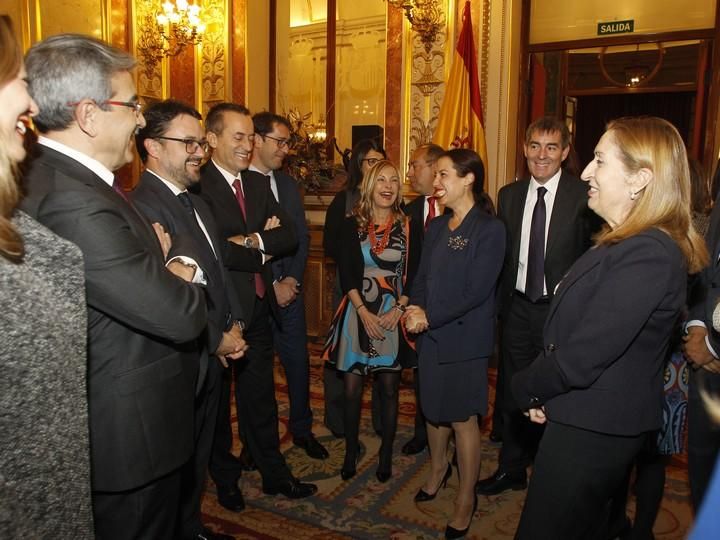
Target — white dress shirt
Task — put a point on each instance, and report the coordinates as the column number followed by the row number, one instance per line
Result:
column 532, row 197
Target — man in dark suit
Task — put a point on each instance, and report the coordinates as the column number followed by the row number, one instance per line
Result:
column 424, row 208
column 255, row 229
column 141, row 370
column 702, row 348
column 548, row 227
column 272, row 140
column 172, row 146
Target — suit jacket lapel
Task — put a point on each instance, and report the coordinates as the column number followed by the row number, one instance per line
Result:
column 78, row 172
column 582, row 266
column 225, row 195
column 256, row 187
column 515, row 219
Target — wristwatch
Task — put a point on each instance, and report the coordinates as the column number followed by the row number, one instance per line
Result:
column 247, row 242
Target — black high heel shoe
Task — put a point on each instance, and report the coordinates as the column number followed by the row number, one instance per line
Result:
column 423, row 496
column 451, row 532
column 348, row 471
column 383, row 476
column 384, row 470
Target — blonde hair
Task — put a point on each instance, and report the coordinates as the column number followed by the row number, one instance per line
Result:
column 364, row 209
column 11, row 246
column 654, row 144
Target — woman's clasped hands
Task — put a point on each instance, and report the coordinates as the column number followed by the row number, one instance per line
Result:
column 415, row 320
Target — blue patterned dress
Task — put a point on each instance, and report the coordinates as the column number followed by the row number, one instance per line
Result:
column 348, row 346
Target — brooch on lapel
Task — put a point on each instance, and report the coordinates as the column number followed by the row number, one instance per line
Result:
column 457, row 242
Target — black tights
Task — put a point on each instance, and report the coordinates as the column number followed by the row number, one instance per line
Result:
column 389, row 382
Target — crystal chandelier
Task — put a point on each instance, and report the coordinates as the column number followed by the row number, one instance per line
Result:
column 170, row 31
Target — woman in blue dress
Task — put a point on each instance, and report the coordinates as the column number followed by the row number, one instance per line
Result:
column 364, row 336
column 453, row 310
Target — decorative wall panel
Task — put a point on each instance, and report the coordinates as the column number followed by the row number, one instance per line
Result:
column 213, row 60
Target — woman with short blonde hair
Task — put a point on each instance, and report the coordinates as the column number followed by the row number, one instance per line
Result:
column 598, row 384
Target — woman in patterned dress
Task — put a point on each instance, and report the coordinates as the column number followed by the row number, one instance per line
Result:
column 364, row 335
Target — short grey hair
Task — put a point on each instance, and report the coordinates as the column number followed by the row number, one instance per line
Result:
column 68, row 68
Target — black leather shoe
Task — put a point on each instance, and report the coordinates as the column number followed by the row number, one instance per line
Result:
column 247, row 463
column 422, row 495
column 292, row 489
column 413, row 446
column 312, row 447
column 207, row 534
column 501, row 481
column 451, row 532
column 231, row 498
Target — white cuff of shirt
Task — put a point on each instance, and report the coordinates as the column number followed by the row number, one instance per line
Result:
column 199, row 276
column 261, row 247
column 696, row 322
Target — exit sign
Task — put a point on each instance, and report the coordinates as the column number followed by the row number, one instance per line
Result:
column 615, row 27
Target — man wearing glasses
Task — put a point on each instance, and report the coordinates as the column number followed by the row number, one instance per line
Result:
column 141, row 385
column 272, row 144
column 172, row 146
column 256, row 229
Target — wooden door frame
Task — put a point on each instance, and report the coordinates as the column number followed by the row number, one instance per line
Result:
column 708, row 85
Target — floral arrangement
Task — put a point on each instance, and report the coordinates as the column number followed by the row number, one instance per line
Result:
column 307, row 160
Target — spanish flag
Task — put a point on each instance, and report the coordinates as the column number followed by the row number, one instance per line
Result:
column 460, row 122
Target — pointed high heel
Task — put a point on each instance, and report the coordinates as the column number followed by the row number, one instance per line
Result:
column 348, row 471
column 452, row 533
column 383, row 476
column 423, row 496
column 384, row 469
column 347, row 474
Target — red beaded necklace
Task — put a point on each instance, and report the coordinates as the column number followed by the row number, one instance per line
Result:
column 378, row 246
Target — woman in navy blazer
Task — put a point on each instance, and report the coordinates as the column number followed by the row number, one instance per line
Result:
column 453, row 309
column 599, row 381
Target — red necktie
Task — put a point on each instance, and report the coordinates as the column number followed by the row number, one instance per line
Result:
column 240, row 196
column 432, row 212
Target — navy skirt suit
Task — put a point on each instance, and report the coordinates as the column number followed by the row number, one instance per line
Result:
column 455, row 285
column 600, row 379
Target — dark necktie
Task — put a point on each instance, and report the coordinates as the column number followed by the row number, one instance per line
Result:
column 240, row 196
column 535, row 278
column 432, row 212
column 187, row 203
column 184, row 198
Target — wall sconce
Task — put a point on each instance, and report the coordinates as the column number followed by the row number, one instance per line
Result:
column 170, row 31
column 425, row 16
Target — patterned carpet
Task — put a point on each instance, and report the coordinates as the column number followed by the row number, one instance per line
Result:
column 363, row 508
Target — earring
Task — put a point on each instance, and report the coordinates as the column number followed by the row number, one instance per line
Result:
column 633, row 195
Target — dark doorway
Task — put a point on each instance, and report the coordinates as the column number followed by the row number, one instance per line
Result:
column 594, row 112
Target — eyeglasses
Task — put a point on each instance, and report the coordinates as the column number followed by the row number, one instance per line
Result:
column 371, row 161
column 191, row 145
column 134, row 105
column 281, row 143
